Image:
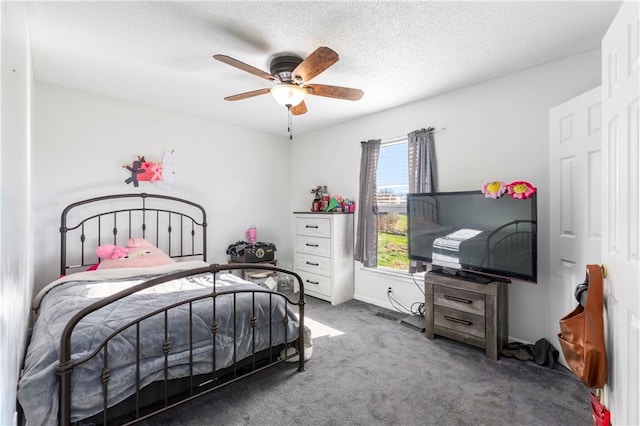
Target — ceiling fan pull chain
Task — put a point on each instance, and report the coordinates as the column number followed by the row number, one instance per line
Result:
column 289, row 122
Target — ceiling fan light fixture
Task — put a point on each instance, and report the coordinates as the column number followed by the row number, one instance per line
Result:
column 288, row 95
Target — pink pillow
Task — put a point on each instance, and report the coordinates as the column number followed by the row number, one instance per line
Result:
column 141, row 254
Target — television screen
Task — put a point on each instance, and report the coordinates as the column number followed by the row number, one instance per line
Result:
column 465, row 232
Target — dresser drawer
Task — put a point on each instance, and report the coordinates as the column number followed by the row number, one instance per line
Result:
column 313, row 226
column 314, row 264
column 313, row 245
column 460, row 300
column 462, row 322
column 316, row 283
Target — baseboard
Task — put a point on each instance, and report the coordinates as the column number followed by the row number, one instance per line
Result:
column 375, row 302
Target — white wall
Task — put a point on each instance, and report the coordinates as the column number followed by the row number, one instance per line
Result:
column 81, row 141
column 15, row 207
column 494, row 130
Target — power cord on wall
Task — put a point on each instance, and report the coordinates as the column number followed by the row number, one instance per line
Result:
column 420, row 309
column 413, row 277
column 417, row 308
column 397, row 304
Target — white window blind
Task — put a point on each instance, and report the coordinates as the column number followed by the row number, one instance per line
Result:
column 393, row 177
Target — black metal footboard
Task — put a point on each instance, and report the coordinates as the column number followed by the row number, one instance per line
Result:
column 192, row 383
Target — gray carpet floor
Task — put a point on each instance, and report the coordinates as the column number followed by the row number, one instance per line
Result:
column 368, row 368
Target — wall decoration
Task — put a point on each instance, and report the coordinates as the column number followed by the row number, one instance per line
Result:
column 135, row 169
column 521, row 190
column 159, row 173
column 169, row 167
column 151, row 172
column 495, row 189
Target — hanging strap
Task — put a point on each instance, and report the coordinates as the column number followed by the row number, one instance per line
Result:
column 595, row 292
column 581, row 291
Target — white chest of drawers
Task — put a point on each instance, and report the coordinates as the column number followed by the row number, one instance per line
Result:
column 323, row 254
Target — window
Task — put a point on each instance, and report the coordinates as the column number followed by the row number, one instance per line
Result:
column 392, row 181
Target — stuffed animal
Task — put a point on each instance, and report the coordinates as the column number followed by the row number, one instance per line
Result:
column 139, row 253
column 111, row 251
column 495, row 189
column 521, row 190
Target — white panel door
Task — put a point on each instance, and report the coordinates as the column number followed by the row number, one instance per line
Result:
column 574, row 196
column 620, row 213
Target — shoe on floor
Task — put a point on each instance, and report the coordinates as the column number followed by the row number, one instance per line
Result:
column 518, row 350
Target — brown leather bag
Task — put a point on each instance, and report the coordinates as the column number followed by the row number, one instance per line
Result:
column 582, row 334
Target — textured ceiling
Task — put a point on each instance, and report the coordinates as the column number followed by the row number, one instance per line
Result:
column 160, row 53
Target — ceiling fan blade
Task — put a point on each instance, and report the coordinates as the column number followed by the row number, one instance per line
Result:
column 299, row 109
column 246, row 95
column 244, row 67
column 334, row 92
column 318, row 61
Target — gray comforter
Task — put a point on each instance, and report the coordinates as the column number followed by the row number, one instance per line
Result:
column 38, row 385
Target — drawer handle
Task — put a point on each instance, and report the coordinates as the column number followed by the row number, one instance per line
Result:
column 458, row 320
column 311, row 245
column 312, row 263
column 312, row 226
column 458, row 299
column 313, row 282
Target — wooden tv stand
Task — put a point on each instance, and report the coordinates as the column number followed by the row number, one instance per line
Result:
column 472, row 313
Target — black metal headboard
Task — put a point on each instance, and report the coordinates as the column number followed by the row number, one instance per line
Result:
column 174, row 225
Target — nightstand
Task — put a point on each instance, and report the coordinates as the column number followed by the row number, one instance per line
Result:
column 472, row 313
column 246, row 274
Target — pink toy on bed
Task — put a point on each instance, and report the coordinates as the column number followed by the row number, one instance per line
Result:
column 139, row 253
column 110, row 251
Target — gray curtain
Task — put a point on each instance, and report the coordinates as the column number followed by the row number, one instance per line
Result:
column 422, row 171
column 366, row 250
column 422, row 161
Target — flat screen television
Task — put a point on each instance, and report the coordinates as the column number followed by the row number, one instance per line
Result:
column 474, row 237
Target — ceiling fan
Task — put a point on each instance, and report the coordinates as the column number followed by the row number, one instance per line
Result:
column 291, row 74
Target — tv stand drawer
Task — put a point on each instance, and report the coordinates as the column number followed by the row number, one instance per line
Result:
column 472, row 313
column 459, row 321
column 461, row 300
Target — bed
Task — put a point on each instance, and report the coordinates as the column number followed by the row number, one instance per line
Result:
column 113, row 343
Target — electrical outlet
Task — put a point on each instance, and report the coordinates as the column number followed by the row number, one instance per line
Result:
column 390, row 290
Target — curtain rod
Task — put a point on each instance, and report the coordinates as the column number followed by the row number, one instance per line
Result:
column 434, row 130
column 397, row 139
